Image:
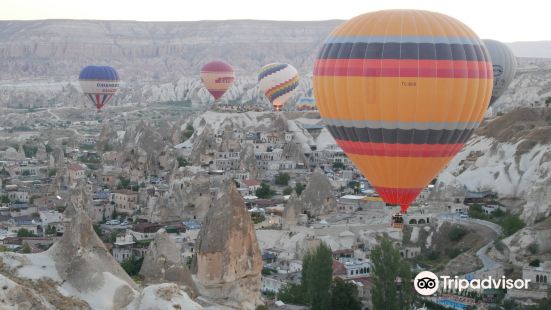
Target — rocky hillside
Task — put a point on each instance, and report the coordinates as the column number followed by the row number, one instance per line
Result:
column 510, row 155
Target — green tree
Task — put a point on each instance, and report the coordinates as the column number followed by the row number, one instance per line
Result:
column 132, row 265
column 511, row 224
column 299, row 187
column 282, row 178
column 257, row 217
column 98, row 230
column 338, row 165
column 49, row 148
column 26, row 249
column 389, row 272
column 124, row 183
column 317, row 273
column 52, row 172
column 264, row 191
column 51, row 230
column 188, row 132
column 287, row 191
column 5, row 199
column 344, row 295
column 292, row 294
column 456, row 233
column 533, row 248
column 182, row 162
column 29, row 150
column 107, row 148
column 25, row 233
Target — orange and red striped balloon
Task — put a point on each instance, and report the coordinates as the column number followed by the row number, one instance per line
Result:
column 401, row 92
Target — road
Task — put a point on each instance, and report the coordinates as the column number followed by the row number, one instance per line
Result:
column 487, row 262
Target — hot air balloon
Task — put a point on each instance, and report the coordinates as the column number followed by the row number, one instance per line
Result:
column 306, row 104
column 99, row 83
column 401, row 91
column 218, row 77
column 278, row 82
column 504, row 64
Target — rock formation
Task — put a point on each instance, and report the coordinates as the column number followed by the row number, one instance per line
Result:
column 163, row 263
column 290, row 216
column 82, row 261
column 228, row 260
column 317, row 198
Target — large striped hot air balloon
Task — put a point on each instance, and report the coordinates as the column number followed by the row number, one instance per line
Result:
column 504, row 64
column 278, row 82
column 99, row 84
column 218, row 77
column 401, row 92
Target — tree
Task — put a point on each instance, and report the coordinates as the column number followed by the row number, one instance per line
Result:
column 264, row 191
column 51, row 230
column 123, row 183
column 287, row 191
column 388, row 267
column 29, row 150
column 299, row 187
column 132, row 265
column 282, row 178
column 511, row 224
column 25, row 233
column 52, row 172
column 26, row 248
column 338, row 165
column 5, row 199
column 188, row 132
column 535, row 263
column 182, row 162
column 344, row 295
column 456, row 233
column 317, row 273
column 292, row 294
column 98, row 230
column 534, row 248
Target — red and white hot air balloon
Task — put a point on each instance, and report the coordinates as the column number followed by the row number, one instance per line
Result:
column 218, row 77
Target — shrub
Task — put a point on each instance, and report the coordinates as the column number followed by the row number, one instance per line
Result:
column 535, row 263
column 456, row 233
column 534, row 248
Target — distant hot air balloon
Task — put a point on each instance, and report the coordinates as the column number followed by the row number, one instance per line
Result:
column 401, row 91
column 99, row 83
column 278, row 82
column 306, row 104
column 504, row 64
column 218, row 77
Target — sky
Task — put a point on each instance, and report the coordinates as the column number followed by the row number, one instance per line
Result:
column 508, row 21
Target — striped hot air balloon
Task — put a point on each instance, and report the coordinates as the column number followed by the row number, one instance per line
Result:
column 278, row 82
column 99, row 83
column 401, row 92
column 218, row 77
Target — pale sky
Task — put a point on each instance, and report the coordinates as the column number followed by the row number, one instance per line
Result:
column 519, row 20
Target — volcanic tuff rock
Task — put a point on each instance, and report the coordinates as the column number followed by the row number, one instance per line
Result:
column 82, row 260
column 163, row 263
column 228, row 258
column 317, row 198
column 510, row 155
column 292, row 207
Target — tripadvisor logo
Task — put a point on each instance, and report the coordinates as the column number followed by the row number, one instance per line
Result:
column 427, row 283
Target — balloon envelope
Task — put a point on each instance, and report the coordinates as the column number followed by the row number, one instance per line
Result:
column 99, row 84
column 278, row 82
column 504, row 64
column 218, row 77
column 401, row 91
